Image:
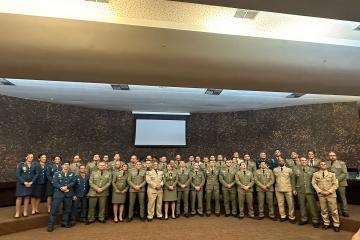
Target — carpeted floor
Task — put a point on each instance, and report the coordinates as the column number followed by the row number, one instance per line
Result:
column 195, row 228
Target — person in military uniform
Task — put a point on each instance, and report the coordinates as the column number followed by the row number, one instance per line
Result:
column 52, row 168
column 212, row 187
column 189, row 164
column 325, row 184
column 155, row 182
column 197, row 183
column 312, row 160
column 26, row 174
column 236, row 160
column 184, row 179
column 264, row 180
column 137, row 182
column 132, row 163
column 162, row 163
column 63, row 182
column 284, row 188
column 177, row 161
column 39, row 187
column 220, row 163
column 170, row 190
column 100, row 182
column 339, row 168
column 74, row 166
column 245, row 181
column 227, row 180
column 305, row 192
column 80, row 198
column 250, row 165
column 293, row 162
column 120, row 188
column 263, row 158
column 92, row 166
column 204, row 164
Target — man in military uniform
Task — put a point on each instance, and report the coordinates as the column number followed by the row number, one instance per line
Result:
column 81, row 190
column 220, row 162
column 99, row 182
column 112, row 163
column 212, row 187
column 264, row 180
column 339, row 168
column 197, row 183
column 154, row 180
column 227, row 180
column 273, row 162
column 204, row 164
column 133, row 161
column 63, row 182
column 92, row 166
column 162, row 163
column 245, row 181
column 250, row 165
column 74, row 166
column 263, row 158
column 184, row 179
column 325, row 184
column 189, row 164
column 137, row 182
column 177, row 160
column 293, row 162
column 312, row 161
column 305, row 192
column 284, row 188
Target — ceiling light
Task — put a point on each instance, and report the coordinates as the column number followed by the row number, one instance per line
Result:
column 245, row 13
column 120, row 87
column 4, row 81
column 295, row 95
column 213, row 91
column 357, row 28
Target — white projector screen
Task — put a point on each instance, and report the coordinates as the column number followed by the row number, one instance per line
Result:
column 160, row 132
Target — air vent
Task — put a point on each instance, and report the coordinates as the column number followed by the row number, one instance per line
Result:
column 213, row 91
column 4, row 81
column 120, row 87
column 357, row 28
column 100, row 1
column 246, row 14
column 295, row 95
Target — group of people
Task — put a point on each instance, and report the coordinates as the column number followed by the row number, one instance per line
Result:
column 83, row 189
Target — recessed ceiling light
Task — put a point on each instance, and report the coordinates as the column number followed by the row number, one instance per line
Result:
column 4, row 81
column 245, row 13
column 213, row 91
column 120, row 87
column 295, row 95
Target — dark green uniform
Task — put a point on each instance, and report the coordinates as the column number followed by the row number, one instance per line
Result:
column 120, row 186
column 212, row 188
column 227, row 176
column 184, row 178
column 339, row 168
column 137, row 178
column 306, row 193
column 264, row 180
column 245, row 179
column 98, row 179
column 197, row 180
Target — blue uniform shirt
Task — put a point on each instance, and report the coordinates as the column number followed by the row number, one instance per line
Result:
column 60, row 179
column 82, row 185
column 51, row 170
column 42, row 173
column 24, row 173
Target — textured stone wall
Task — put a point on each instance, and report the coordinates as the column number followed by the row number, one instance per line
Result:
column 61, row 129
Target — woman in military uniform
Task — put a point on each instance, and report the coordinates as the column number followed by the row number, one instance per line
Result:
column 120, row 189
column 39, row 187
column 51, row 169
column 170, row 190
column 26, row 174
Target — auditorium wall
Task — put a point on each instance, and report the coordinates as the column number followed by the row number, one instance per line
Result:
column 33, row 126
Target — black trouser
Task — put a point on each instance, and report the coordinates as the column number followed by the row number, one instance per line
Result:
column 67, row 203
column 82, row 204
